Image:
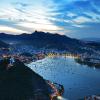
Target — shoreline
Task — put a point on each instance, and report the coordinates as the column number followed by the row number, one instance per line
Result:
column 86, row 62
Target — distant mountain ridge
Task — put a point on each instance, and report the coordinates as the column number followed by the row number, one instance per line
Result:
column 3, row 44
column 91, row 39
column 44, row 40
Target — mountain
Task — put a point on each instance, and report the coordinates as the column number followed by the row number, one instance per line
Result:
column 3, row 44
column 44, row 40
column 19, row 82
column 94, row 45
column 9, row 38
column 91, row 39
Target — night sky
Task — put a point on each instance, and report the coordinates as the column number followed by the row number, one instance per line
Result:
column 74, row 18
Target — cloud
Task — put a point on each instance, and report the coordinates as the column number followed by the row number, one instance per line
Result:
column 39, row 27
column 21, row 4
column 61, row 16
column 10, row 30
column 81, row 19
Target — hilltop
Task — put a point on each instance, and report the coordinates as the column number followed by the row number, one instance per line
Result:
column 44, row 40
column 21, row 83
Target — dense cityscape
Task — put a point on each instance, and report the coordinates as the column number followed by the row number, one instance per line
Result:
column 29, row 53
column 49, row 49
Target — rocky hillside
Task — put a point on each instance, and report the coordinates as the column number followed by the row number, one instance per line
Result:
column 20, row 83
column 45, row 40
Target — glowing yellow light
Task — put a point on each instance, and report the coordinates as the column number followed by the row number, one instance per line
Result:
column 59, row 98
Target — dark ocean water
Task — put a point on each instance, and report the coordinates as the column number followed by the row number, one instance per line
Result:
column 78, row 80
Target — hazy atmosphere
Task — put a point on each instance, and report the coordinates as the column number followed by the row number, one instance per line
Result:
column 49, row 49
column 74, row 18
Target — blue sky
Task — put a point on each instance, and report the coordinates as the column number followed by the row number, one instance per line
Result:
column 74, row 18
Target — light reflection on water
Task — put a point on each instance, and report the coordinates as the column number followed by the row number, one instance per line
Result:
column 78, row 80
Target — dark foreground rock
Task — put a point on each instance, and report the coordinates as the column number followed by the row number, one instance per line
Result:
column 20, row 83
